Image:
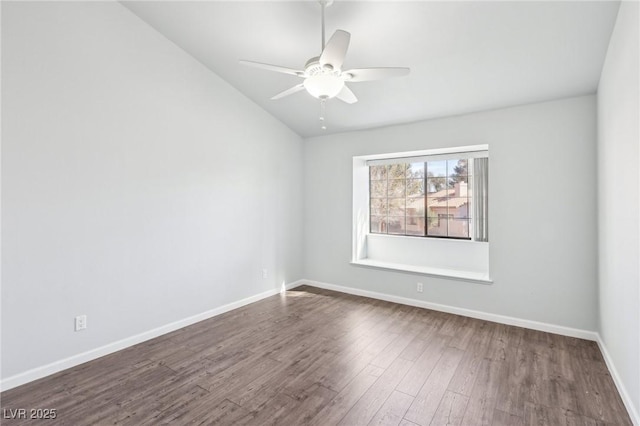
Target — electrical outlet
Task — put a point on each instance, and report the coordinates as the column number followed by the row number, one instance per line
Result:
column 419, row 288
column 81, row 322
column 265, row 274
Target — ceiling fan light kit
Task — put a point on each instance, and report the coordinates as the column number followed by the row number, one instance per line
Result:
column 323, row 75
column 323, row 86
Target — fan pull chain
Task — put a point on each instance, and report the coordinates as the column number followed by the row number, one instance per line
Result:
column 323, row 126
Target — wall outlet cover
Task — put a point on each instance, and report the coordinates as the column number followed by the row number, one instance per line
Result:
column 80, row 322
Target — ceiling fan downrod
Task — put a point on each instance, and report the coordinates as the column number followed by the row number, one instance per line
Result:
column 323, row 5
column 323, row 100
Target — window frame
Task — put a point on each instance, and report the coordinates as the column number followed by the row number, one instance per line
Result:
column 425, row 159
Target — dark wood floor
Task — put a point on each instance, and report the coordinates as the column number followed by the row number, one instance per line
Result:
column 323, row 358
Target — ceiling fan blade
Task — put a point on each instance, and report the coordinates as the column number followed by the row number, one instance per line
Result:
column 288, row 92
column 346, row 95
column 369, row 74
column 275, row 68
column 335, row 50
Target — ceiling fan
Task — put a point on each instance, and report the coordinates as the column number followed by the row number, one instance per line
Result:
column 323, row 75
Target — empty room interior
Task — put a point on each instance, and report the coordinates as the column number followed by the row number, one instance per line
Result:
column 320, row 213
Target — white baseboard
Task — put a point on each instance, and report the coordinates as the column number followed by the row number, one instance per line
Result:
column 622, row 390
column 72, row 361
column 502, row 319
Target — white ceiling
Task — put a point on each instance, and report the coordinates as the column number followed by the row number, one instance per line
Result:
column 464, row 56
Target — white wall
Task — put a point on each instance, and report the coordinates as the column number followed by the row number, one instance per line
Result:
column 619, row 201
column 542, row 210
column 138, row 187
column 447, row 254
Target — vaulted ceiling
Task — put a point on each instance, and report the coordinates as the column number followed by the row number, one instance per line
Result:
column 464, row 56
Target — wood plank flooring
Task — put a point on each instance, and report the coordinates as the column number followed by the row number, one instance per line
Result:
column 324, row 358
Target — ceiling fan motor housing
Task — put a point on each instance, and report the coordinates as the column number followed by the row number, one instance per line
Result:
column 313, row 67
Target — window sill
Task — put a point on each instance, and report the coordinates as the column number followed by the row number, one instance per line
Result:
column 478, row 277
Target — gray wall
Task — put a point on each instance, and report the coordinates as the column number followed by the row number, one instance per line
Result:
column 619, row 200
column 542, row 210
column 138, row 188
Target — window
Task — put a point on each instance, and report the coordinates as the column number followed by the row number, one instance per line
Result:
column 423, row 212
column 430, row 196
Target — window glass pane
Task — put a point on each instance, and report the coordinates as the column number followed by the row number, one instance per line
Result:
column 436, row 206
column 378, row 172
column 415, row 187
column 415, row 206
column 458, row 207
column 459, row 228
column 415, row 225
column 437, row 227
column 435, row 185
column 415, row 171
column 378, row 188
column 396, row 187
column 396, row 206
column 455, row 179
column 459, row 189
column 457, row 174
column 396, row 225
column 378, row 224
column 396, row 171
column 457, row 167
column 437, row 168
column 379, row 206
